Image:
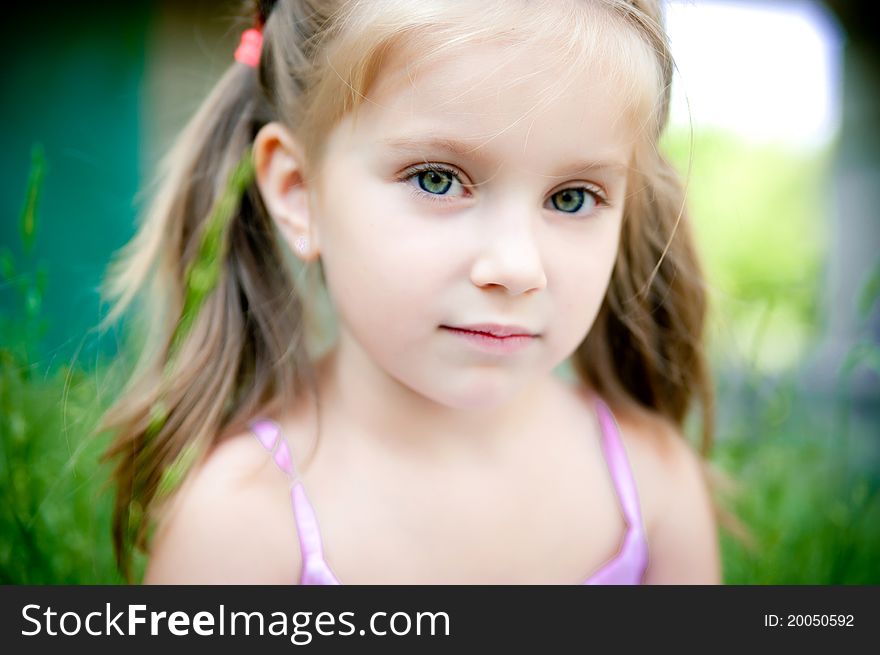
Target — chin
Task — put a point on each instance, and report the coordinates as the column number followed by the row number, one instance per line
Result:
column 478, row 395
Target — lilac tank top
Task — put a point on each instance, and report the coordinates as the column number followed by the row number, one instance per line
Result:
column 626, row 567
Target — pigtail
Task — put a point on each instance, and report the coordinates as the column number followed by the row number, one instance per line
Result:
column 654, row 312
column 220, row 326
column 646, row 348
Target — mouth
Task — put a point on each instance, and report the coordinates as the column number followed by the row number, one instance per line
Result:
column 494, row 341
column 494, row 330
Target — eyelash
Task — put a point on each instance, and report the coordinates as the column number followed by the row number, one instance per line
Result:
column 598, row 196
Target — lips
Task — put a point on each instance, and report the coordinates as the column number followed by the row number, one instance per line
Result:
column 494, row 330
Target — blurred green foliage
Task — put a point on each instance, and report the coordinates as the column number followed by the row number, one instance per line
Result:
column 810, row 474
column 812, row 489
column 55, row 514
column 759, row 214
column 815, row 522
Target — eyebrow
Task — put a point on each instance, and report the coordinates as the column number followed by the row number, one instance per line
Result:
column 420, row 144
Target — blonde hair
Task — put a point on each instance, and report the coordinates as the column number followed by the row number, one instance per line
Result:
column 245, row 349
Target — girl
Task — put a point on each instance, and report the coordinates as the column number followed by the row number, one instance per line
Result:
column 476, row 188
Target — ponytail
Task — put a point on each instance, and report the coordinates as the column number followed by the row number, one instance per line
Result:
column 645, row 351
column 222, row 321
column 645, row 348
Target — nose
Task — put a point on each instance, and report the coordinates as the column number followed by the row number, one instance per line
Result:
column 510, row 256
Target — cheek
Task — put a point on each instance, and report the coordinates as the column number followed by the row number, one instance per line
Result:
column 380, row 264
column 581, row 282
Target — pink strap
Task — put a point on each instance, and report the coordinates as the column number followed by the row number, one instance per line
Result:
column 315, row 570
column 267, row 432
column 621, row 473
column 629, row 565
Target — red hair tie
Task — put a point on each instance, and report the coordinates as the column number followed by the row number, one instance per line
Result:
column 248, row 51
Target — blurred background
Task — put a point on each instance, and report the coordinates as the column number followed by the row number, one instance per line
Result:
column 775, row 125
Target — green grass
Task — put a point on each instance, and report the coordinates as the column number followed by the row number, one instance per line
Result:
column 812, row 499
column 55, row 515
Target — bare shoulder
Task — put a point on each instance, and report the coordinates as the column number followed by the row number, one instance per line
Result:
column 680, row 523
column 230, row 522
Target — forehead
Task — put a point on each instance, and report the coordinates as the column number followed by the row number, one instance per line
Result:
column 492, row 105
column 507, row 94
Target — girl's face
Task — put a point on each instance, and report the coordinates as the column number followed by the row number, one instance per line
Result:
column 455, row 200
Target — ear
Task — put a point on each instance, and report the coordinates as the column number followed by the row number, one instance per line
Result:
column 279, row 167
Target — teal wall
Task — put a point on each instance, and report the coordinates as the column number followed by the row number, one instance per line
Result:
column 72, row 83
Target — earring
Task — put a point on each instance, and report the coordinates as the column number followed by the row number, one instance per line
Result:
column 302, row 244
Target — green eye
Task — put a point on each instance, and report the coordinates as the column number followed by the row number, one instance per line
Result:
column 569, row 200
column 435, row 181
